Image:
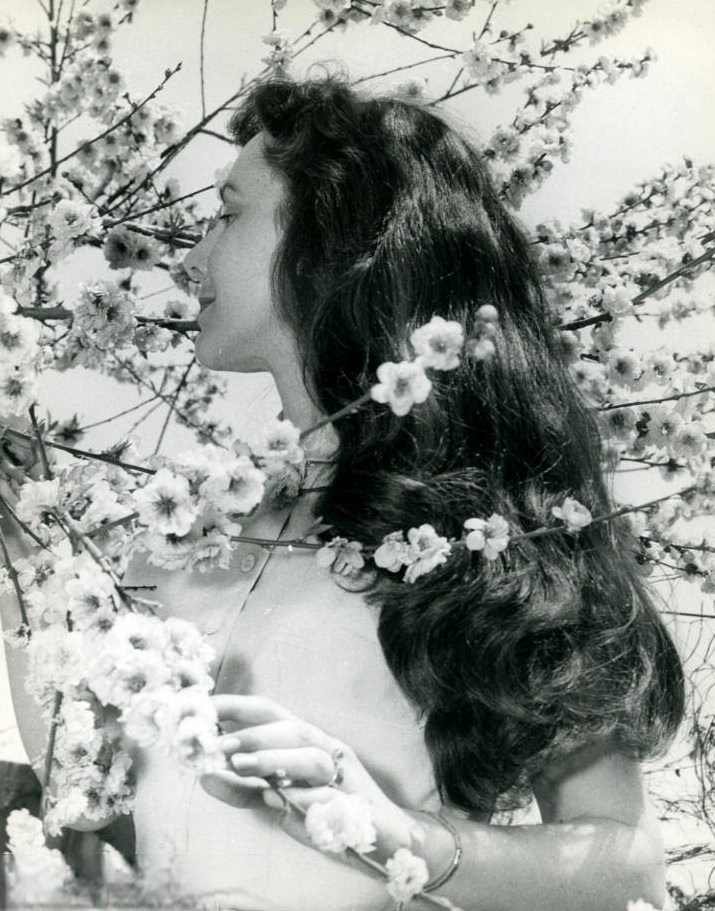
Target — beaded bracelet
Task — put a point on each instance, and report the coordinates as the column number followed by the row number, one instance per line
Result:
column 442, row 878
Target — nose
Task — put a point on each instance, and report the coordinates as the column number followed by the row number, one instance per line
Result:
column 195, row 262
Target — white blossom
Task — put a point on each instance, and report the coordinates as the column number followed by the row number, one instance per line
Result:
column 70, row 219
column 280, row 440
column 345, row 557
column 18, row 388
column 488, row 535
column 401, row 386
column 689, row 441
column 236, row 485
column 343, row 822
column 407, row 875
column 574, row 514
column 438, row 343
column 165, row 505
column 427, row 550
column 393, row 553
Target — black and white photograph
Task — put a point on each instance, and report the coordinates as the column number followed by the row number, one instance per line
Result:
column 357, row 362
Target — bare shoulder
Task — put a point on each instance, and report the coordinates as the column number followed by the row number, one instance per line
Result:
column 597, row 780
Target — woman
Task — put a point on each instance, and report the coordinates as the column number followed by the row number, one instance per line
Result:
column 347, row 222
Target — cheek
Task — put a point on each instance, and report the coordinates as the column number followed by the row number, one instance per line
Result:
column 242, row 263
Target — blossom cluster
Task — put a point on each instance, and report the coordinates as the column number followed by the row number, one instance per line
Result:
column 438, row 345
column 21, row 358
column 423, row 549
column 345, row 822
column 186, row 510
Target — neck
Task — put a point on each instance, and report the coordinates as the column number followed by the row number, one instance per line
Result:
column 298, row 407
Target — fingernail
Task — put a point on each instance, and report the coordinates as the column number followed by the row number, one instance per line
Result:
column 230, row 743
column 242, row 762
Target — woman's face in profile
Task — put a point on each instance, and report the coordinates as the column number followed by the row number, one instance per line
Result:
column 239, row 328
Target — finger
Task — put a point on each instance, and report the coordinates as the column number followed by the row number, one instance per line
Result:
column 291, row 732
column 300, row 797
column 248, row 710
column 222, row 783
column 308, row 764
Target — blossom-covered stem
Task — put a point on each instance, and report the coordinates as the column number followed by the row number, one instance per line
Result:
column 115, row 126
column 351, row 408
column 47, row 774
column 666, row 398
column 41, row 446
column 435, row 900
column 563, row 44
column 81, row 453
column 704, row 548
column 75, row 532
column 12, row 572
column 681, row 270
column 540, row 532
column 606, row 317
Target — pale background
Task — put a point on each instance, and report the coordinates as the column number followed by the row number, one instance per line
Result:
column 621, row 133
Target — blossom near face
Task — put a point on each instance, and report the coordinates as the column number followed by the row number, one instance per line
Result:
column 240, row 330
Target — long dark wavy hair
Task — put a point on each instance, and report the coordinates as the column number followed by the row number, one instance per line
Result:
column 390, row 218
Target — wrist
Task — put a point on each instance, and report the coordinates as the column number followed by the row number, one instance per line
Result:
column 424, row 836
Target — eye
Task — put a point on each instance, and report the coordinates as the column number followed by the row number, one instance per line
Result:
column 219, row 218
column 226, row 217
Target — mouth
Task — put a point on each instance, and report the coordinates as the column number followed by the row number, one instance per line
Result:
column 205, row 302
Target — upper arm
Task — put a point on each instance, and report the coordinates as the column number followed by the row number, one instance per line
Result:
column 597, row 781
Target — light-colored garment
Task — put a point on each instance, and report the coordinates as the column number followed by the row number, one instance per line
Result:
column 289, row 632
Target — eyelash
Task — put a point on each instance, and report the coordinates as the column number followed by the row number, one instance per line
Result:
column 219, row 217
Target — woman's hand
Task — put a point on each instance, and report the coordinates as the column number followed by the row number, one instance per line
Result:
column 268, row 739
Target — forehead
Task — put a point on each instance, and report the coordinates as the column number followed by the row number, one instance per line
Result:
column 252, row 175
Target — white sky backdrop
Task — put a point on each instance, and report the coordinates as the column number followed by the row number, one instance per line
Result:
column 621, row 133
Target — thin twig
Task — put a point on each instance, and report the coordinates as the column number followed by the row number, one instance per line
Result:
column 47, row 774
column 40, row 444
column 81, row 453
column 201, row 57
column 23, row 525
column 12, row 572
column 172, row 403
column 119, row 414
column 666, row 398
column 350, row 408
